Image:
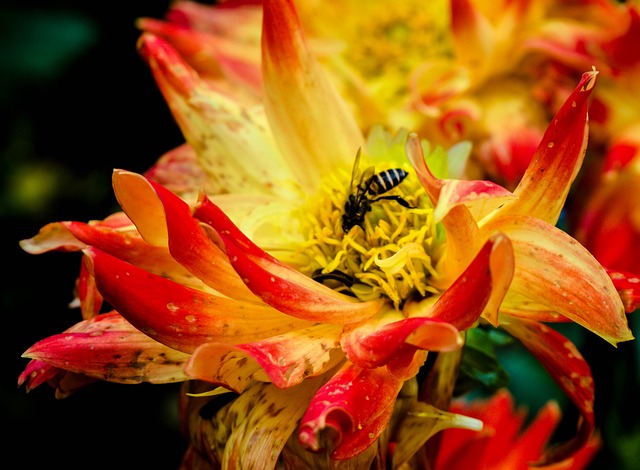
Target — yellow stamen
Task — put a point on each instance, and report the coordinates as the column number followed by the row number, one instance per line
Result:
column 390, row 255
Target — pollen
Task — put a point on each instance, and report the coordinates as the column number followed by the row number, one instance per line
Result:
column 389, row 255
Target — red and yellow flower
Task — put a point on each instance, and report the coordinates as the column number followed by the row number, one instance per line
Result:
column 238, row 272
column 493, row 73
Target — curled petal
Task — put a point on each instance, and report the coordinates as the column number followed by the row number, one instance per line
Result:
column 373, row 345
column 36, row 373
column 179, row 316
column 286, row 359
column 553, row 269
column 300, row 100
column 279, row 285
column 571, row 372
column 545, row 185
column 163, row 218
column 107, row 347
column 479, row 290
column 356, row 404
column 481, row 197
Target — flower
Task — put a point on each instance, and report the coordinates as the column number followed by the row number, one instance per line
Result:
column 503, row 444
column 319, row 319
column 449, row 70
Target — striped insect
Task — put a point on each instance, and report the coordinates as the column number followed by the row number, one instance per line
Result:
column 371, row 187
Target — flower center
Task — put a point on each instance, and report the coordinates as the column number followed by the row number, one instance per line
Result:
column 389, row 254
column 395, row 40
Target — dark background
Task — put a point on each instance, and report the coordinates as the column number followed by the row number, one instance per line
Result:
column 76, row 101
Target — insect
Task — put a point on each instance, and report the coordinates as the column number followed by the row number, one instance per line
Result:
column 371, row 188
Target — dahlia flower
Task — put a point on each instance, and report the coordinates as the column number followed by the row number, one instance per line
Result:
column 282, row 256
column 493, row 72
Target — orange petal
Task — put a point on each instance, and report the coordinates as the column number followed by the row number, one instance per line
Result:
column 286, row 359
column 164, row 219
column 480, row 289
column 462, row 230
column 555, row 270
column 302, row 105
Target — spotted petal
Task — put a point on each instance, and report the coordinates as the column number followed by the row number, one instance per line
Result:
column 216, row 126
column 285, row 359
column 179, row 316
column 107, row 347
column 555, row 270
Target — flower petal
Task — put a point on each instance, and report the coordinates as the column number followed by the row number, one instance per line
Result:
column 479, row 290
column 216, row 126
column 376, row 342
column 150, row 206
column 109, row 348
column 279, row 285
column 286, row 359
column 357, row 404
column 545, row 185
column 555, row 270
column 570, row 371
column 251, row 431
column 302, row 105
column 461, row 228
column 628, row 286
column 179, row 316
column 420, row 423
column 225, row 54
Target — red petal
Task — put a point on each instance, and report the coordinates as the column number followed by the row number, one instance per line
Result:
column 179, row 316
column 373, row 344
column 108, row 348
column 36, row 373
column 479, row 290
column 192, row 248
column 628, row 286
column 545, row 185
column 279, row 285
column 357, row 404
column 554, row 270
column 570, row 371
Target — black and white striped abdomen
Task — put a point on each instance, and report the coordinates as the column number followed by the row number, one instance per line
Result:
column 385, row 181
